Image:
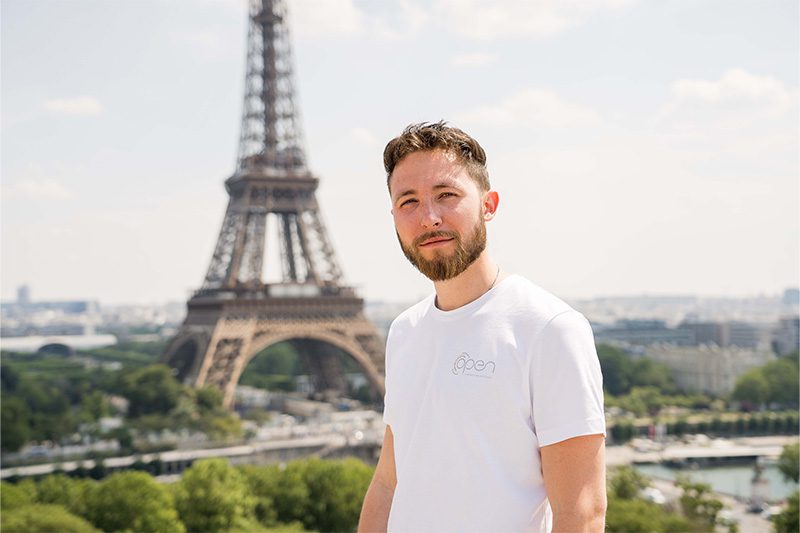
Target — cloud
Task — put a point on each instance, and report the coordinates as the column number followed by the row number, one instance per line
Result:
column 737, row 88
column 363, row 136
column 208, row 44
column 39, row 188
column 475, row 59
column 536, row 107
column 82, row 105
column 312, row 18
column 488, row 19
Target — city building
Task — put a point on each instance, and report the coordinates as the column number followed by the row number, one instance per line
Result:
column 786, row 336
column 641, row 333
column 708, row 369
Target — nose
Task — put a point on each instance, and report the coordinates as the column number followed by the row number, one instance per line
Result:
column 430, row 216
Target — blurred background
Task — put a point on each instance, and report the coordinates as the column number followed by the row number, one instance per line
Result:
column 646, row 157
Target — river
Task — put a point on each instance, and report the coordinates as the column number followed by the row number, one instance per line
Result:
column 731, row 480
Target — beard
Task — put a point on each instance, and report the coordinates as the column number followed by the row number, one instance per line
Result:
column 443, row 267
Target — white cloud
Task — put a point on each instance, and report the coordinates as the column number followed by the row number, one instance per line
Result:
column 312, row 18
column 736, row 88
column 207, row 43
column 363, row 136
column 414, row 16
column 475, row 59
column 488, row 19
column 82, row 105
column 536, row 107
column 39, row 188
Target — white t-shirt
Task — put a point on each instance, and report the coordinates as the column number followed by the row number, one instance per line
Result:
column 471, row 396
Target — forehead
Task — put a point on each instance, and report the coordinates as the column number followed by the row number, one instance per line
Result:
column 419, row 170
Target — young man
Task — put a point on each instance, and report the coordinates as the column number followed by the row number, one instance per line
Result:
column 494, row 401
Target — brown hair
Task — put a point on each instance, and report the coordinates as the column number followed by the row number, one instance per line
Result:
column 423, row 137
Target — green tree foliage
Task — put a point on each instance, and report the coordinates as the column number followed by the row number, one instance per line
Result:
column 273, row 368
column 213, row 496
column 622, row 373
column 291, row 496
column 16, row 495
column 625, row 483
column 70, row 493
column 15, row 421
column 789, row 462
column 783, row 376
column 151, row 390
column 751, row 388
column 264, row 484
column 93, row 406
column 628, row 512
column 336, row 490
column 789, row 520
column 698, row 504
column 132, row 501
column 777, row 382
column 38, row 518
column 43, row 402
column 322, row 495
column 130, row 354
column 636, row 515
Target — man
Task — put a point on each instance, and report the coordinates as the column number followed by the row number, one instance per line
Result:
column 494, row 402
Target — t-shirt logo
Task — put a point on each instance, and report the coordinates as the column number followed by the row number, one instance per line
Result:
column 464, row 365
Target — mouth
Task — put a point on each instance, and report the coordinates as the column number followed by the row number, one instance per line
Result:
column 434, row 242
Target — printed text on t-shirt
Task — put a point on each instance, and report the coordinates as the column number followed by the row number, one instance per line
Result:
column 464, row 365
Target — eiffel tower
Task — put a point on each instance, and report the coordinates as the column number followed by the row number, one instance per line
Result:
column 236, row 314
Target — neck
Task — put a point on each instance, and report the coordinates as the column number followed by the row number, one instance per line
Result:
column 469, row 285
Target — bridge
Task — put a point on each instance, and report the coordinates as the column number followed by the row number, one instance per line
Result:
column 710, row 453
column 364, row 444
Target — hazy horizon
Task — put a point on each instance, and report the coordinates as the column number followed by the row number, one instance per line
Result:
column 638, row 147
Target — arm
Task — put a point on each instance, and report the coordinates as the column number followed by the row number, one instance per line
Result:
column 574, row 473
column 378, row 501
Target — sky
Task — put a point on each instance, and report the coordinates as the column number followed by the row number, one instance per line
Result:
column 638, row 147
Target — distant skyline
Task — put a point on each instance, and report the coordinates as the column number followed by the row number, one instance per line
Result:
column 639, row 147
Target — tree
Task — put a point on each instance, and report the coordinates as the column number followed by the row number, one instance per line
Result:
column 94, row 406
column 16, row 495
column 213, row 496
column 698, row 504
column 262, row 482
column 784, row 382
column 37, row 518
column 648, row 373
column 292, row 497
column 208, row 399
column 629, row 515
column 336, row 490
column 751, row 388
column 789, row 520
column 616, row 368
column 132, row 501
column 59, row 489
column 789, row 462
column 151, row 390
column 625, row 482
column 643, row 400
column 14, row 417
column 9, row 378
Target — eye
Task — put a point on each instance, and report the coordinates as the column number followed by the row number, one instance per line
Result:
column 447, row 194
column 407, row 201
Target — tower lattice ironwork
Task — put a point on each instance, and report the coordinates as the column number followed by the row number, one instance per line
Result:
column 236, row 314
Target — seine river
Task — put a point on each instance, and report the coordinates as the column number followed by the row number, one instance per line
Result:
column 731, row 480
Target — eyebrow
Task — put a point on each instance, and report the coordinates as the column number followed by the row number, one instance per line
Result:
column 440, row 185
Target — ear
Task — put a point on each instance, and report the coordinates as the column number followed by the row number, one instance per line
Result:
column 490, row 202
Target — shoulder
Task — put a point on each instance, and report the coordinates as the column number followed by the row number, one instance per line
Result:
column 533, row 306
column 411, row 317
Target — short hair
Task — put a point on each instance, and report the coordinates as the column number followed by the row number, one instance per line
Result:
column 424, row 137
